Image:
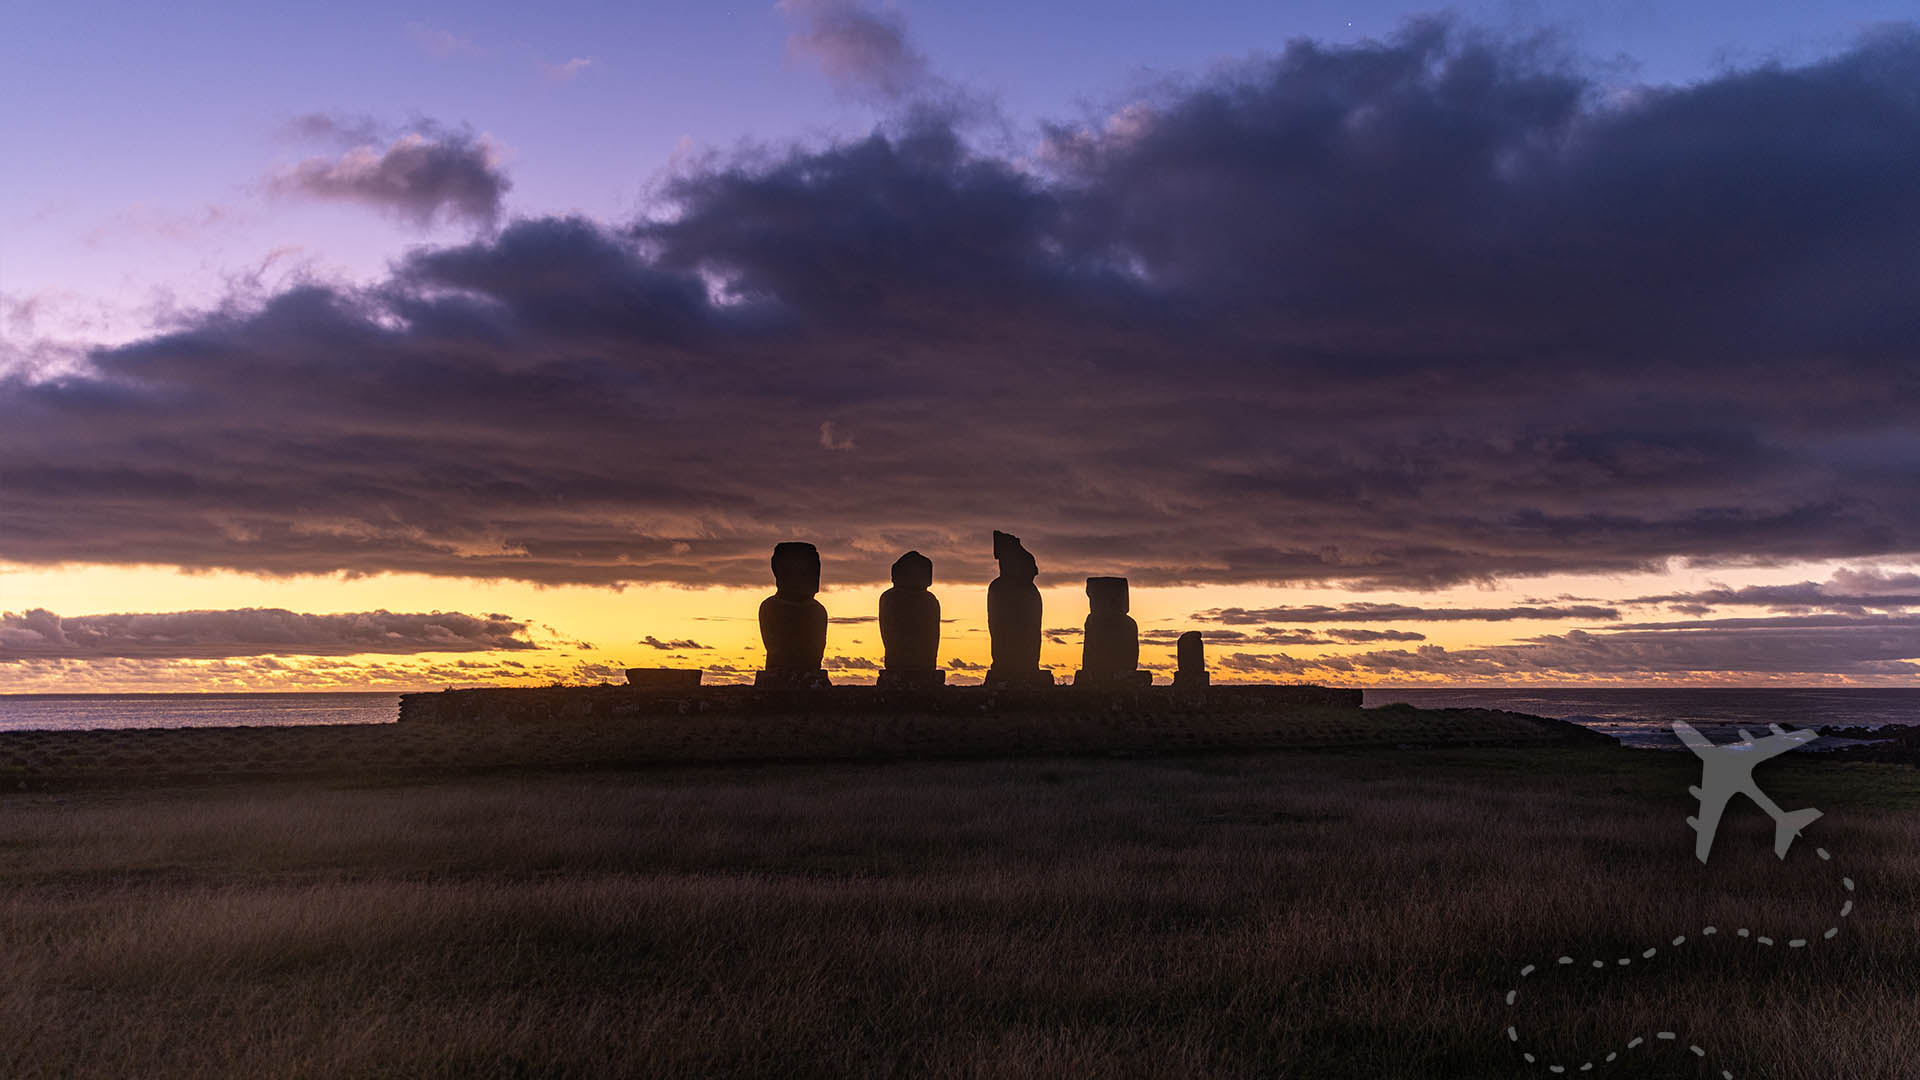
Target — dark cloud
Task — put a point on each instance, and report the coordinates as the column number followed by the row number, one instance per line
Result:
column 849, row 663
column 864, row 52
column 667, row 646
column 1354, row 637
column 1168, row 637
column 1849, row 590
column 1274, row 635
column 1275, row 664
column 39, row 634
column 1885, row 647
column 1368, row 612
column 1442, row 309
column 424, row 175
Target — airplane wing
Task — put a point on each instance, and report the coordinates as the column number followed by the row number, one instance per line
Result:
column 1781, row 741
column 1695, row 741
column 1711, row 807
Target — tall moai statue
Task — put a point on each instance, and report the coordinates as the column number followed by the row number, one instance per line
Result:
column 1191, row 653
column 1110, row 658
column 793, row 625
column 1013, row 617
column 910, row 627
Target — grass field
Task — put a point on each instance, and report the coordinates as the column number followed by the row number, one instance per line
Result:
column 1247, row 915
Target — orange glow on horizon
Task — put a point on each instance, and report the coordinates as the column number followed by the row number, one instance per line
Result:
column 590, row 634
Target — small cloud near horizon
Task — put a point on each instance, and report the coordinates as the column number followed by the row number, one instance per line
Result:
column 424, row 175
column 566, row 70
column 438, row 42
column 668, row 646
column 864, row 52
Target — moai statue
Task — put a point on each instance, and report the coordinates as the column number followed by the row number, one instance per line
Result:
column 1013, row 617
column 1111, row 655
column 1191, row 651
column 793, row 625
column 910, row 627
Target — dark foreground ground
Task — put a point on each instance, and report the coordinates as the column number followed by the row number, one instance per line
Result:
column 1316, row 914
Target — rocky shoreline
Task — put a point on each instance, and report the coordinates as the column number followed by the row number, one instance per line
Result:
column 1897, row 743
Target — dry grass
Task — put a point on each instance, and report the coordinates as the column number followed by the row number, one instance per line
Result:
column 1259, row 915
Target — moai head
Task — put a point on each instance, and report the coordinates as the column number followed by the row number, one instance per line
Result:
column 913, row 571
column 1107, row 595
column 796, row 570
column 1015, row 561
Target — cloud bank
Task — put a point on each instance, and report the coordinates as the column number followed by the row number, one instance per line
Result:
column 1360, row 611
column 40, row 634
column 1434, row 310
column 1744, row 648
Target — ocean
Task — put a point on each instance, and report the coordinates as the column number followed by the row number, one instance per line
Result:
column 1638, row 717
column 78, row 712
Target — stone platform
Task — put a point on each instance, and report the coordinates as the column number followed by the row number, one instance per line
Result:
column 535, row 705
column 622, row 726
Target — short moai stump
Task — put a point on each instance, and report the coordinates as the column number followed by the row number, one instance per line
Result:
column 910, row 627
column 793, row 625
column 1191, row 652
column 1110, row 658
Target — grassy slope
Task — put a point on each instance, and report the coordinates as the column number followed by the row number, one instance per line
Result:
column 1310, row 915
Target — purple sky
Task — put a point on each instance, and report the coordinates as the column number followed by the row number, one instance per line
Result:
column 1219, row 296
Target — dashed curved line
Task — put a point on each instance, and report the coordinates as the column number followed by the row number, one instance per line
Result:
column 1513, row 1032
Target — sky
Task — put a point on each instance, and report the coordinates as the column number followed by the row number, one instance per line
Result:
column 1507, row 344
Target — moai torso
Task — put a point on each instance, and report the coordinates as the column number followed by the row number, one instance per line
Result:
column 1013, row 608
column 1112, row 644
column 910, row 616
column 793, row 625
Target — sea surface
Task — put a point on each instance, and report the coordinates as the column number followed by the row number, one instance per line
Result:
column 1637, row 717
column 72, row 712
column 1643, row 717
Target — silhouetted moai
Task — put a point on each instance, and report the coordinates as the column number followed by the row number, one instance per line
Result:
column 910, row 626
column 793, row 625
column 1191, row 651
column 1110, row 657
column 1013, row 617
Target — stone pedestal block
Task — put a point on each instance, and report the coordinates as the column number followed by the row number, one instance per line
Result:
column 891, row 679
column 791, row 679
column 1019, row 680
column 1112, row 680
column 663, row 678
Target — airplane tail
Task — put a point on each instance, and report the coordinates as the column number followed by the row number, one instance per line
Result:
column 1788, row 826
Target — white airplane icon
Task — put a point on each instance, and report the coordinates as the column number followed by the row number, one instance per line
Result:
column 1727, row 770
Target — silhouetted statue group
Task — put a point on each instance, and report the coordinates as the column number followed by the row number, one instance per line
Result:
column 793, row 626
